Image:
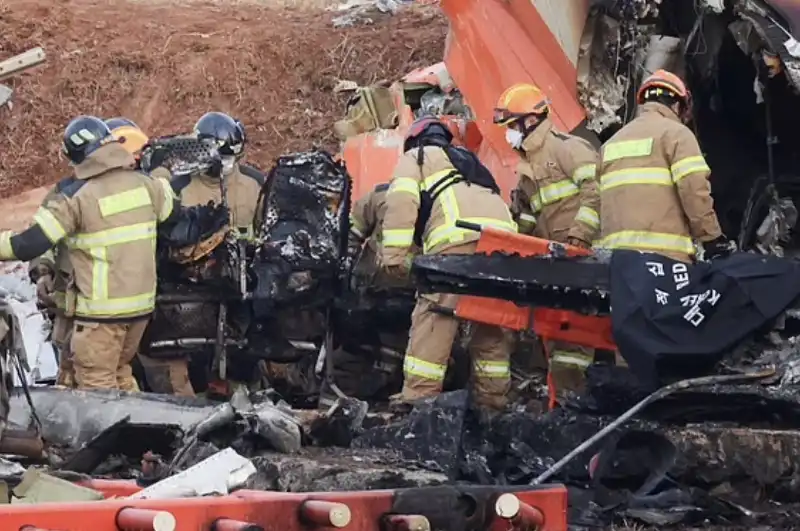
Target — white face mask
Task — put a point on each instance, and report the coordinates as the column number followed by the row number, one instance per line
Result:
column 227, row 165
column 514, row 138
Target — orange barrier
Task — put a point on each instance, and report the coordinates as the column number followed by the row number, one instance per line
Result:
column 543, row 508
column 549, row 324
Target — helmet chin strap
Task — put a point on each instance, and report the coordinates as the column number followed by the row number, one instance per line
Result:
column 228, row 163
column 527, row 130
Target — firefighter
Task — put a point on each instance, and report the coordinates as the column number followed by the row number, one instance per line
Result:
column 556, row 198
column 171, row 376
column 366, row 221
column 107, row 217
column 427, row 195
column 654, row 183
column 52, row 271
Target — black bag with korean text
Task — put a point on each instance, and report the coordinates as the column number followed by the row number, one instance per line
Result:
column 673, row 320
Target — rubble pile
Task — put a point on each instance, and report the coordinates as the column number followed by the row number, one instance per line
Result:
column 163, row 65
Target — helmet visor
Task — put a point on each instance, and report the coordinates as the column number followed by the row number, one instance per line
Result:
column 506, row 118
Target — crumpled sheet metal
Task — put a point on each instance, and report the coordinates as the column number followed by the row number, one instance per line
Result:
column 72, row 418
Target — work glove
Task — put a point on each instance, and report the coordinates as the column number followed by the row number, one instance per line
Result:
column 44, row 292
column 577, row 242
column 41, row 270
column 400, row 271
column 718, row 248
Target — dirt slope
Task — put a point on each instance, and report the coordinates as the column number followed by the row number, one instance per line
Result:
column 165, row 64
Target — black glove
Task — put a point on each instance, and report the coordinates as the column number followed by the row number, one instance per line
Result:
column 195, row 224
column 718, row 248
column 215, row 168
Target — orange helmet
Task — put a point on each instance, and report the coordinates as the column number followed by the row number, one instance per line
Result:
column 519, row 101
column 667, row 81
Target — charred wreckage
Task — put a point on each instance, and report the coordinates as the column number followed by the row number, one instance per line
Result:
column 700, row 427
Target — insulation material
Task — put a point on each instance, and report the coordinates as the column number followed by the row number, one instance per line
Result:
column 598, row 90
column 613, row 48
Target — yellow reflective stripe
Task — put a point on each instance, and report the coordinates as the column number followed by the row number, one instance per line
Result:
column 555, row 192
column 659, row 176
column 566, row 357
column 404, row 184
column 116, row 236
column 116, row 306
column 528, row 218
column 492, row 369
column 431, row 179
column 124, row 201
column 687, row 166
column 584, row 173
column 398, row 238
column 627, row 149
column 99, row 272
column 6, row 251
column 498, row 224
column 446, row 233
column 424, row 369
column 169, row 200
column 536, row 204
column 648, row 241
column 589, row 216
column 50, row 225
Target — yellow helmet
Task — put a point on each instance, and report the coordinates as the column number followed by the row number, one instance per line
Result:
column 128, row 134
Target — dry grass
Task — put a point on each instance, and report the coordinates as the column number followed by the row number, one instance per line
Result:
column 165, row 65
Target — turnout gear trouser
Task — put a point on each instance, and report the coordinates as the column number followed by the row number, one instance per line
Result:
column 103, row 351
column 567, row 364
column 62, row 339
column 430, row 344
column 168, row 376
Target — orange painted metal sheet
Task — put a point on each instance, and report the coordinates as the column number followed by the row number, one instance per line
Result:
column 494, row 44
column 276, row 511
column 371, row 158
column 548, row 323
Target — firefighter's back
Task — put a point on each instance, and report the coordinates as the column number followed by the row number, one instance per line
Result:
column 640, row 207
